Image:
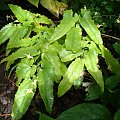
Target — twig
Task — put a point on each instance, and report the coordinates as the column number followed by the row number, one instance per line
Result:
column 5, row 114
column 111, row 37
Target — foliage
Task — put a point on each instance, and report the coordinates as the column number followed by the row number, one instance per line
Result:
column 43, row 54
column 85, row 111
column 54, row 6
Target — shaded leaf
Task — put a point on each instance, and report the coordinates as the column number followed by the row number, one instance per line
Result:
column 117, row 47
column 23, row 98
column 112, row 63
column 85, row 111
column 117, row 115
column 45, row 117
column 65, row 25
column 112, row 82
column 34, row 2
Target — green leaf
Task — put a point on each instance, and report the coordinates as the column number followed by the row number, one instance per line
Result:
column 21, row 15
column 117, row 115
column 112, row 82
column 91, row 63
column 54, row 6
column 117, row 47
column 94, row 92
column 6, row 32
column 65, row 25
column 45, row 85
column 66, row 55
column 112, row 63
column 34, row 2
column 73, row 39
column 23, row 98
column 19, row 32
column 25, row 69
column 85, row 111
column 21, row 53
column 52, row 64
column 90, row 27
column 45, row 117
column 72, row 74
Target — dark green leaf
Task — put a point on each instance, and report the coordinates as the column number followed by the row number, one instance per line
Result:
column 23, row 98
column 34, row 2
column 112, row 82
column 45, row 117
column 85, row 111
column 113, row 64
column 117, row 47
column 117, row 115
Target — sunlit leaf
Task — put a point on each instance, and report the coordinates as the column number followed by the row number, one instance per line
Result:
column 45, row 85
column 21, row 15
column 72, row 74
column 90, row 27
column 23, row 98
column 73, row 39
column 91, row 63
column 6, row 32
column 65, row 25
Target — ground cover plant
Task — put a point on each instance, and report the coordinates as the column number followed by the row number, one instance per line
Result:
column 43, row 53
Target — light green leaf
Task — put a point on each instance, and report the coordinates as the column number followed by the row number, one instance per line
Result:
column 23, row 98
column 45, row 85
column 72, row 74
column 19, row 32
column 52, row 64
column 73, row 39
column 112, row 63
column 86, row 111
column 66, row 55
column 91, row 63
column 21, row 53
column 25, row 69
column 65, row 25
column 90, row 27
column 34, row 2
column 21, row 15
column 6, row 32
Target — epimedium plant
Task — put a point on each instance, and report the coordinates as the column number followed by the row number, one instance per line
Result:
column 42, row 53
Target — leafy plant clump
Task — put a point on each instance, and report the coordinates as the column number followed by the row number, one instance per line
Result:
column 42, row 53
